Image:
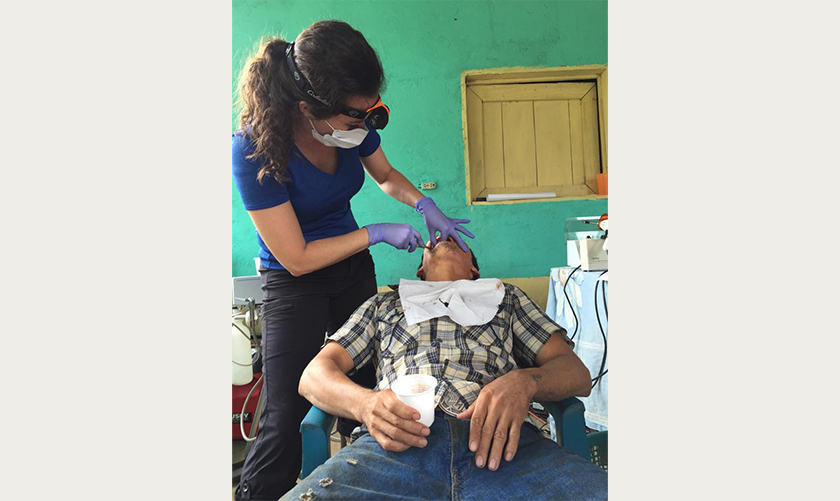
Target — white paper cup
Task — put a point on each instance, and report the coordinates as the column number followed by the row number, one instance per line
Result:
column 418, row 391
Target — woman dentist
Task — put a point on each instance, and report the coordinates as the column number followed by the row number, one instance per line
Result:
column 310, row 110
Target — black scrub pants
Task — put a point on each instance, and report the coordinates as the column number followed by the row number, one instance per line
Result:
column 297, row 312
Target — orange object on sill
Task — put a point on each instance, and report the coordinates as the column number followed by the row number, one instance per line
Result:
column 602, row 184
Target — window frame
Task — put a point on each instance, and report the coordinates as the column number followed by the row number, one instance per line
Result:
column 523, row 75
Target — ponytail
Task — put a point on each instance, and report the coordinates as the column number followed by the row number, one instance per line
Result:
column 268, row 108
column 336, row 60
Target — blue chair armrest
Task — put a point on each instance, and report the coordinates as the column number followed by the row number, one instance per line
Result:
column 315, row 437
column 571, row 428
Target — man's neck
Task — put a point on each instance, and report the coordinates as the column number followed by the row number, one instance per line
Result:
column 444, row 272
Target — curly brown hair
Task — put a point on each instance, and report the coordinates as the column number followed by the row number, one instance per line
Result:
column 339, row 64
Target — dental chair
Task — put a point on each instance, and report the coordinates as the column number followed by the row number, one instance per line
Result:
column 317, row 425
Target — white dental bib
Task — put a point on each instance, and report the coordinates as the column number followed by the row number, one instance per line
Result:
column 466, row 302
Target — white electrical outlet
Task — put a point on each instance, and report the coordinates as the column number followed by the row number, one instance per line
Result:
column 428, row 186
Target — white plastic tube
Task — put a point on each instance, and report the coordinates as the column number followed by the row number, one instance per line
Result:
column 500, row 197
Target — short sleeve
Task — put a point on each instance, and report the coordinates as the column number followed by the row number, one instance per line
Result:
column 532, row 328
column 358, row 332
column 255, row 196
column 370, row 143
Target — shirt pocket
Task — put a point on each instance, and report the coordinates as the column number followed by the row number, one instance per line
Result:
column 395, row 336
column 485, row 335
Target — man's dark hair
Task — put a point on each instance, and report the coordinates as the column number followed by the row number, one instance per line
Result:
column 474, row 262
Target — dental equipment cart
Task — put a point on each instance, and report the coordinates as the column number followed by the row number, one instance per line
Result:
column 589, row 338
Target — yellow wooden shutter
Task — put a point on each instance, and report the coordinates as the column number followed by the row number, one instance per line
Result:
column 534, row 137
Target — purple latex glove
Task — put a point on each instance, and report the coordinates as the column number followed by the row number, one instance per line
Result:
column 436, row 221
column 401, row 236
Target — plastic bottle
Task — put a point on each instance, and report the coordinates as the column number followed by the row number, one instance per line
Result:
column 242, row 370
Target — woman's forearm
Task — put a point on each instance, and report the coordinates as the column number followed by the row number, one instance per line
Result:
column 400, row 188
column 319, row 254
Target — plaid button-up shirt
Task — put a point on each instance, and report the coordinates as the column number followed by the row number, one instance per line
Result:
column 463, row 359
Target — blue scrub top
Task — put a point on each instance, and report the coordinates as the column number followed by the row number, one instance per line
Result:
column 321, row 201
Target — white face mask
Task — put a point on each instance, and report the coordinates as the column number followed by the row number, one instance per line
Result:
column 339, row 138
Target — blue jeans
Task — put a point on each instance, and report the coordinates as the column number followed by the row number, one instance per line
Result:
column 445, row 469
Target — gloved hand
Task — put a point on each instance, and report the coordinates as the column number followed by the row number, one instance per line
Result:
column 401, row 236
column 437, row 221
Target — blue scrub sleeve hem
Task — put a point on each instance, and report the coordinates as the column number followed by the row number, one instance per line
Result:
column 267, row 205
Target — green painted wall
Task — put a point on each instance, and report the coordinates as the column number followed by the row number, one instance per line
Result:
column 424, row 46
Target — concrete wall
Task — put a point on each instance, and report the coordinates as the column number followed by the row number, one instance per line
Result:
column 424, row 46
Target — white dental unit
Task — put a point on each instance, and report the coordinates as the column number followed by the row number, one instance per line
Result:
column 586, row 243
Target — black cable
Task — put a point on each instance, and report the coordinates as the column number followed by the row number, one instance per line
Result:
column 604, row 295
column 601, row 372
column 606, row 313
column 599, row 377
column 571, row 307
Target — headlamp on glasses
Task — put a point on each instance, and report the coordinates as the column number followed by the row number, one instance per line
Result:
column 376, row 116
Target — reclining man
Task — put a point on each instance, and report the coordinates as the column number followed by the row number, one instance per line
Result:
column 488, row 373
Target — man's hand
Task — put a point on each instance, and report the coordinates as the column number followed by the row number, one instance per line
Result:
column 392, row 423
column 497, row 415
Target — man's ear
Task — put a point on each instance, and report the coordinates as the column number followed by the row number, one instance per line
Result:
column 421, row 273
column 475, row 273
